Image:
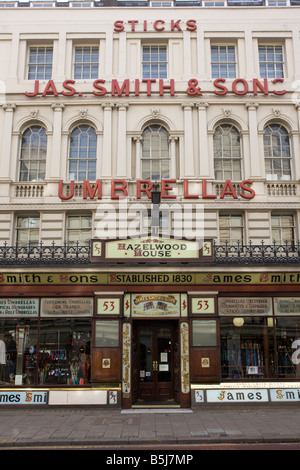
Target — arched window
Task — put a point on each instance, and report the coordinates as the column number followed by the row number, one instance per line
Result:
column 83, row 154
column 33, row 154
column 155, row 153
column 227, row 153
column 277, row 152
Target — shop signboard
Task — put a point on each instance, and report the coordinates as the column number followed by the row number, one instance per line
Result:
column 151, row 249
column 245, row 306
column 156, row 305
column 108, row 306
column 203, row 305
column 237, row 395
column 287, row 305
column 21, row 307
column 67, row 306
column 22, row 397
column 161, row 277
column 285, row 394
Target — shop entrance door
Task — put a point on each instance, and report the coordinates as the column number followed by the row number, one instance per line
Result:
column 155, row 346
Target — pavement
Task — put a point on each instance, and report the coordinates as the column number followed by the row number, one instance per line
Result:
column 96, row 426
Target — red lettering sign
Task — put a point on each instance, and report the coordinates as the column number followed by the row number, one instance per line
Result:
column 119, row 190
column 239, row 87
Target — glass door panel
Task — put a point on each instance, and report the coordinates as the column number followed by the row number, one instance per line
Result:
column 146, row 355
column 155, row 362
column 164, row 343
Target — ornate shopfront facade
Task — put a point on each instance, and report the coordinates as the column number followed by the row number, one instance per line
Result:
column 149, row 335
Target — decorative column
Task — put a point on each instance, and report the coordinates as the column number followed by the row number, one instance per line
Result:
column 296, row 142
column 6, row 141
column 256, row 162
column 106, row 167
column 185, row 387
column 126, row 365
column 55, row 160
column 172, row 142
column 138, row 157
column 187, row 59
column 121, row 164
column 61, row 50
column 204, row 169
column 15, row 53
column 189, row 163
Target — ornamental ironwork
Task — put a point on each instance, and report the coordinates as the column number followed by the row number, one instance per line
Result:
column 224, row 254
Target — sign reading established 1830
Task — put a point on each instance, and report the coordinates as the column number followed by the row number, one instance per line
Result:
column 151, row 249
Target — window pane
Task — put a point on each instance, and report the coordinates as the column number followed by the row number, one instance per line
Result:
column 155, row 153
column 227, row 153
column 204, row 333
column 277, row 152
column 64, row 356
column 40, row 63
column 20, row 337
column 83, row 150
column 244, row 344
column 86, row 62
column 154, row 61
column 107, row 334
column 287, row 330
column 223, row 61
column 33, row 154
column 271, row 61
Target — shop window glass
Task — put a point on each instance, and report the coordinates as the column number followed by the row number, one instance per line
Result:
column 107, row 334
column 231, row 229
column 271, row 61
column 227, row 153
column 83, row 154
column 79, row 229
column 40, row 62
column 204, row 333
column 64, row 351
column 155, row 153
column 27, row 230
column 33, row 154
column 287, row 333
column 283, row 228
column 277, row 153
column 18, row 351
column 86, row 62
column 247, row 348
column 223, row 62
column 154, row 61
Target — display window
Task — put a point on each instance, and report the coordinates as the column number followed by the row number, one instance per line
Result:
column 247, row 348
column 64, row 355
column 287, row 341
column 18, row 351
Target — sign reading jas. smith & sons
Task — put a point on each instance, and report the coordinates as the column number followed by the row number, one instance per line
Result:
column 151, row 249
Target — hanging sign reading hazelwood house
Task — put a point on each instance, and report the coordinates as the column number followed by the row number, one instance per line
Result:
column 151, row 249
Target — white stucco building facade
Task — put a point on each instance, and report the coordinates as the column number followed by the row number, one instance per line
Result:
column 102, row 104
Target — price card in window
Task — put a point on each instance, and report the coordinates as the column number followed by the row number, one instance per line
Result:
column 108, row 306
column 203, row 305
